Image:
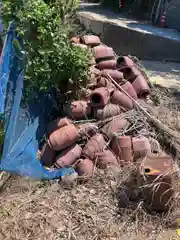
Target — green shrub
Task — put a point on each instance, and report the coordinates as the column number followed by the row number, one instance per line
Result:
column 50, row 58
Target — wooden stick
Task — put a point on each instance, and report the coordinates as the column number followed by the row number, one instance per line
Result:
column 154, row 120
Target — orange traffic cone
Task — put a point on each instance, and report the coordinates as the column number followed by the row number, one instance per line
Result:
column 163, row 20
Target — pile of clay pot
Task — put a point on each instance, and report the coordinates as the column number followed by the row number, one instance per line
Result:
column 104, row 144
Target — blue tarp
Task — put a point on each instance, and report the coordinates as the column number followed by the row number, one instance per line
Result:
column 24, row 125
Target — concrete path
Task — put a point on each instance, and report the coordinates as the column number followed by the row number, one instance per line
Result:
column 165, row 74
column 128, row 36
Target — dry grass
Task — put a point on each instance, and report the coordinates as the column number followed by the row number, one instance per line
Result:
column 89, row 211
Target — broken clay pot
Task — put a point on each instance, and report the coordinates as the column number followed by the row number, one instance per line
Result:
column 58, row 123
column 101, row 96
column 124, row 61
column 107, row 64
column 130, row 73
column 141, row 86
column 157, row 175
column 118, row 124
column 115, row 74
column 95, row 144
column 85, row 167
column 79, row 109
column 105, row 159
column 127, row 86
column 141, row 147
column 122, row 147
column 121, row 99
column 90, row 40
column 63, row 137
column 47, row 155
column 108, row 111
column 68, row 156
column 102, row 52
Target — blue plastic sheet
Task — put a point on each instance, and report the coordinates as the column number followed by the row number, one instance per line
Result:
column 24, row 125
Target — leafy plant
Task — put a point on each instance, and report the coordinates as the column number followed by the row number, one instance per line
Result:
column 50, row 59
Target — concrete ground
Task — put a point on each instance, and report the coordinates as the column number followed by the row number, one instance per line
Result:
column 128, row 36
column 165, row 74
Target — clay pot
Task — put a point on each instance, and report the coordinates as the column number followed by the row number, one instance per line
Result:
column 85, row 167
column 116, row 125
column 129, row 89
column 95, row 144
column 109, row 110
column 47, row 155
column 115, row 74
column 141, row 86
column 130, row 73
column 107, row 64
column 80, row 45
column 121, row 99
column 102, row 52
column 58, row 123
column 103, row 82
column 124, row 61
column 141, row 147
column 157, row 182
column 122, row 147
column 79, row 109
column 105, row 159
column 101, row 96
column 63, row 137
column 68, row 157
column 91, row 40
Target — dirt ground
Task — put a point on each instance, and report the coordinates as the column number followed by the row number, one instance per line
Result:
column 31, row 210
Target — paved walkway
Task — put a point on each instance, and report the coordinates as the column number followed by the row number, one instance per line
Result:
column 128, row 36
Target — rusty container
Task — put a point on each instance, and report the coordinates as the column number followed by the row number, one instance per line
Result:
column 58, row 123
column 141, row 147
column 127, row 86
column 95, row 144
column 130, row 73
column 107, row 64
column 103, row 53
column 63, row 137
column 47, row 155
column 124, row 61
column 103, row 82
column 109, row 110
column 157, row 177
column 68, row 156
column 85, row 167
column 79, row 109
column 118, row 124
column 101, row 96
column 91, row 40
column 115, row 74
column 141, row 86
column 122, row 147
column 121, row 99
column 105, row 159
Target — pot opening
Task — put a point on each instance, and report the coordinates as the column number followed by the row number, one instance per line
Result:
column 147, row 170
column 120, row 60
column 127, row 70
column 96, row 98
